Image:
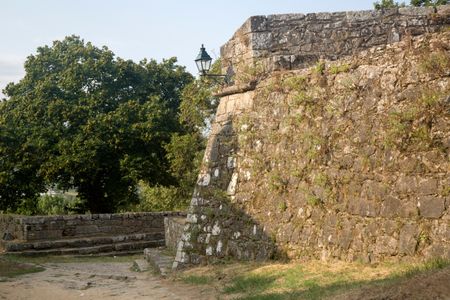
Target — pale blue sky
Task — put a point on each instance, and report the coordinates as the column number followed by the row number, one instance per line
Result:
column 137, row 29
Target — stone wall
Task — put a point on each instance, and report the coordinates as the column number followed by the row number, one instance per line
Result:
column 293, row 41
column 10, row 227
column 173, row 229
column 348, row 159
column 47, row 228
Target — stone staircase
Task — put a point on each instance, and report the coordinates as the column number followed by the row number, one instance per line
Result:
column 104, row 245
column 89, row 234
column 161, row 259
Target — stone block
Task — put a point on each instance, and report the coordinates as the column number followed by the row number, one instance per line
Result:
column 427, row 186
column 86, row 230
column 390, row 207
column 431, row 206
column 408, row 239
column 345, row 238
column 386, row 245
column 405, row 184
column 416, row 11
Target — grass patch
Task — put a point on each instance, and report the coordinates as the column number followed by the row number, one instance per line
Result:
column 197, row 279
column 434, row 264
column 336, row 69
column 13, row 269
column 68, row 258
column 436, row 63
column 308, row 280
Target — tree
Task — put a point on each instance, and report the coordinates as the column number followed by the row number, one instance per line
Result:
column 185, row 150
column 83, row 118
column 429, row 2
column 387, row 4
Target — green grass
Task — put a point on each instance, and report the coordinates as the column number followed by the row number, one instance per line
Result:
column 68, row 258
column 434, row 264
column 13, row 269
column 308, row 280
column 336, row 69
column 197, row 279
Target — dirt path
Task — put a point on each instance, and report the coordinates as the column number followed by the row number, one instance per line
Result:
column 67, row 281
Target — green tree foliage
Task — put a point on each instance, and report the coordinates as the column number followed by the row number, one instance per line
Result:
column 83, row 118
column 387, row 4
column 56, row 205
column 184, row 153
column 185, row 150
column 429, row 2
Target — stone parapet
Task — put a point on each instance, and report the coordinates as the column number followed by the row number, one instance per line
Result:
column 293, row 41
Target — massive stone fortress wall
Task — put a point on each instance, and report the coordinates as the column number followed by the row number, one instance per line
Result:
column 347, row 159
column 294, row 41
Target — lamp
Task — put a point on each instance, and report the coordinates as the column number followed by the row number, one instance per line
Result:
column 203, row 62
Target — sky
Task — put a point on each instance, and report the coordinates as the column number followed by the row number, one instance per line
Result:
column 137, row 29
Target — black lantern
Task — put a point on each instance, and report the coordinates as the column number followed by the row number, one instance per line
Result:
column 203, row 61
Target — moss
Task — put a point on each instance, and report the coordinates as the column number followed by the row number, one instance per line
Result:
column 302, row 98
column 336, row 69
column 214, row 193
column 282, row 206
column 249, row 73
column 295, row 83
column 436, row 63
column 195, row 231
column 445, row 191
column 313, row 200
column 411, row 127
column 277, row 183
column 297, row 173
column 209, row 212
column 424, row 238
column 321, row 179
column 319, row 68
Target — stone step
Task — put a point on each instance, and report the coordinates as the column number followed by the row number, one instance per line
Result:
column 160, row 259
column 133, row 247
column 140, row 265
column 15, row 246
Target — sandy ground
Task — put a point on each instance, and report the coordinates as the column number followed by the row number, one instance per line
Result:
column 67, row 281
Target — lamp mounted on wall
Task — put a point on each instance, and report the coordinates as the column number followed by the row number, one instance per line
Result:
column 203, row 62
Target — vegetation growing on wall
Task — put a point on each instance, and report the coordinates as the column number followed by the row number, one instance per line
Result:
column 318, row 138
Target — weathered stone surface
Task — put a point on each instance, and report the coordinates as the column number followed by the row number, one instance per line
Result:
column 128, row 231
column 336, row 160
column 408, row 239
column 431, row 206
column 173, row 229
column 386, row 245
column 276, row 39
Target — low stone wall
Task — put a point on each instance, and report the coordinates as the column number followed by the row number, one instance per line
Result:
column 173, row 227
column 38, row 228
column 10, row 227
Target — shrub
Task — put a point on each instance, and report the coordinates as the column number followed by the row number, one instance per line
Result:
column 56, row 205
column 159, row 198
